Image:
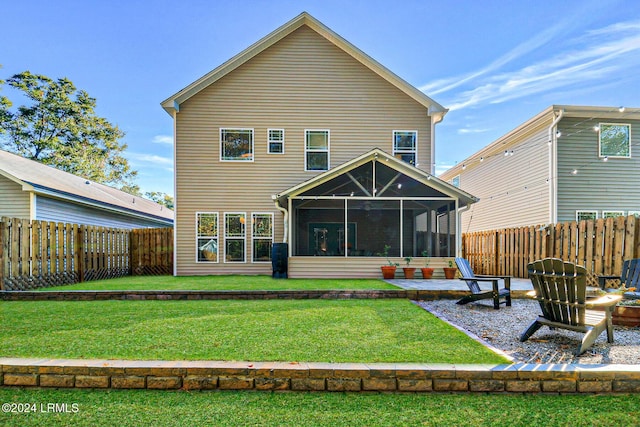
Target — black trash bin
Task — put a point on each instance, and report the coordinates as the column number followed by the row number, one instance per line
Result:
column 280, row 260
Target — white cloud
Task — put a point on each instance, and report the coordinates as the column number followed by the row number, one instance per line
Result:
column 445, row 85
column 470, row 130
column 592, row 59
column 163, row 139
column 150, row 159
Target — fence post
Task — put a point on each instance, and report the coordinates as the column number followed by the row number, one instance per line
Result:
column 2, row 253
column 496, row 255
column 81, row 253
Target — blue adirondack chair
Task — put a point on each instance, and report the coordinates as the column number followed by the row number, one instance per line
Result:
column 478, row 293
column 629, row 277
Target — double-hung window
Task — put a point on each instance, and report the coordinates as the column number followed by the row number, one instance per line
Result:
column 615, row 140
column 236, row 145
column 262, row 236
column 207, row 236
column 405, row 145
column 316, row 150
column 586, row 215
column 275, row 141
column 234, row 237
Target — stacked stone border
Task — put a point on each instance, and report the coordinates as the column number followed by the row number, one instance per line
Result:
column 234, row 295
column 294, row 376
column 325, row 377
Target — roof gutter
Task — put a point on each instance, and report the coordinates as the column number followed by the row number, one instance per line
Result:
column 553, row 154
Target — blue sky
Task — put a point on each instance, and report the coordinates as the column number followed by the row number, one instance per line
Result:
column 493, row 63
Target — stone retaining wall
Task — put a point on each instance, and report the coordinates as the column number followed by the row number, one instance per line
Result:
column 354, row 377
column 234, row 295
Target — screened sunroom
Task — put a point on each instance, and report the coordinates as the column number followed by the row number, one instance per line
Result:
column 373, row 202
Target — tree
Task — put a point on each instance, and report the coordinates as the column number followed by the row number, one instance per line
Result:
column 161, row 198
column 59, row 127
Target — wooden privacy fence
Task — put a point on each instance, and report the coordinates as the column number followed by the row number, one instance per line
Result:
column 600, row 245
column 36, row 254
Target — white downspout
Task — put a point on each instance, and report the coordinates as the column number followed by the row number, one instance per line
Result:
column 285, row 236
column 553, row 182
column 459, row 229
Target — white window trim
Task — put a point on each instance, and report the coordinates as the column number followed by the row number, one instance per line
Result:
column 587, row 212
column 253, row 151
column 269, row 141
column 244, row 238
column 453, row 179
column 616, row 213
column 254, row 238
column 600, row 141
column 393, row 144
column 328, row 150
column 217, row 237
column 634, row 213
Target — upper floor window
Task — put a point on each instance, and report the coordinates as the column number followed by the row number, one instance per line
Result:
column 236, row 145
column 455, row 181
column 405, row 145
column 615, row 140
column 316, row 150
column 275, row 141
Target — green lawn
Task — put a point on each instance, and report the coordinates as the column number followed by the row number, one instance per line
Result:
column 223, row 283
column 145, row 407
column 273, row 330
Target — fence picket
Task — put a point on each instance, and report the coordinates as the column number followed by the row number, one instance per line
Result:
column 600, row 245
column 41, row 253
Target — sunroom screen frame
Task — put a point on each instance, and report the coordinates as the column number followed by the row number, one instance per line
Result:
column 450, row 193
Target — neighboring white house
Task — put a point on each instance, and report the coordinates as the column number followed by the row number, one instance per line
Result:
column 32, row 190
column 567, row 163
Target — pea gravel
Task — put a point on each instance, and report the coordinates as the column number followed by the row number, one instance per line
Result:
column 501, row 329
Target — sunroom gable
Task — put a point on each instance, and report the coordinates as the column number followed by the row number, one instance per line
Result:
column 377, row 174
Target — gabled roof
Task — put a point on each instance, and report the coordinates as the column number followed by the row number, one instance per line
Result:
column 45, row 180
column 172, row 103
column 381, row 156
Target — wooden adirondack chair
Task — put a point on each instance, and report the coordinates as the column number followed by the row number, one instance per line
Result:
column 561, row 288
column 479, row 294
column 630, row 276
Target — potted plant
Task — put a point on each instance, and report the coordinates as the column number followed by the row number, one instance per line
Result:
column 389, row 270
column 450, row 272
column 427, row 272
column 409, row 272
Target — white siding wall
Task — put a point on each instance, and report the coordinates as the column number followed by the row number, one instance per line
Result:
column 62, row 211
column 14, row 202
column 302, row 82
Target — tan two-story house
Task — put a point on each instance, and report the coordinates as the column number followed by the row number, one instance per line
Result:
column 303, row 139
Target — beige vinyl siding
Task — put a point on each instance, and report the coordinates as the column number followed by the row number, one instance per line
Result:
column 513, row 190
column 357, row 267
column 302, row 82
column 612, row 185
column 14, row 202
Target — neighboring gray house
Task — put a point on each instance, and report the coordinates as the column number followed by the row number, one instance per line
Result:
column 31, row 190
column 566, row 163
